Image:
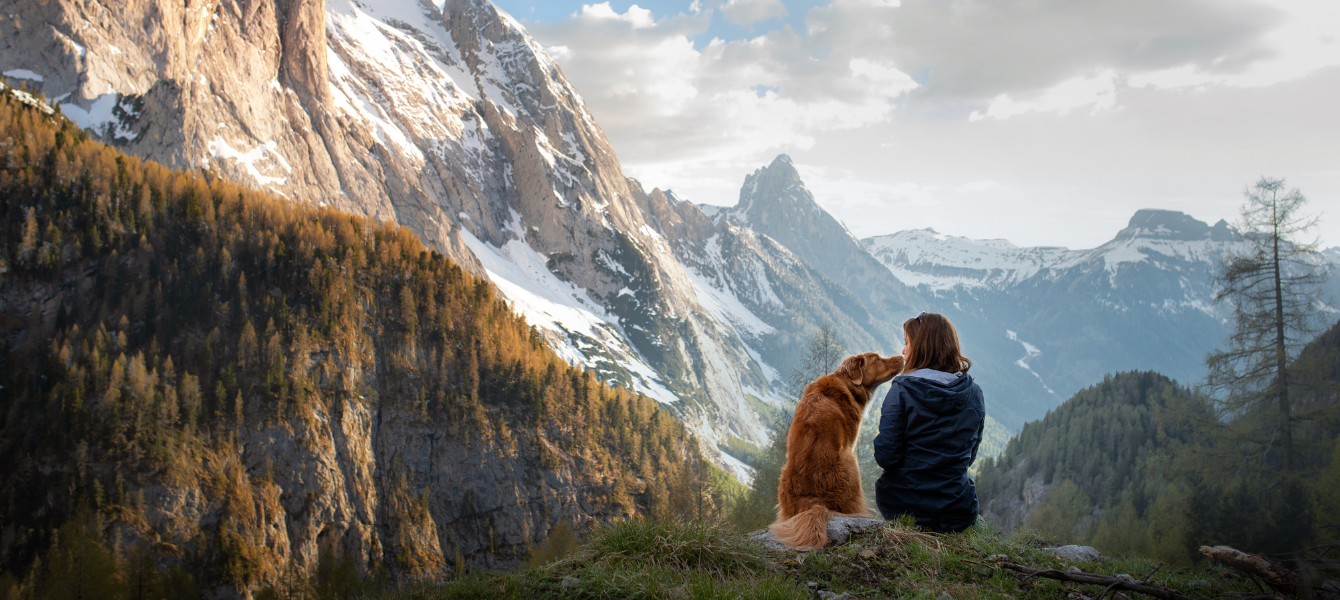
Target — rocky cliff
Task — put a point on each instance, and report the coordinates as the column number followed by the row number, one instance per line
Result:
column 240, row 385
column 448, row 119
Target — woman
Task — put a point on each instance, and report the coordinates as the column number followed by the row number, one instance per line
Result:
column 929, row 429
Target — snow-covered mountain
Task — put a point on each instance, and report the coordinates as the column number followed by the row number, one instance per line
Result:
column 445, row 117
column 1144, row 300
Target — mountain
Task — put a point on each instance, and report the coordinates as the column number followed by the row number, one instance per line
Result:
column 1144, row 300
column 452, row 121
column 449, row 120
column 240, row 387
column 775, row 203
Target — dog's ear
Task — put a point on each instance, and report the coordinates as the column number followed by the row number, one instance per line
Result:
column 854, row 368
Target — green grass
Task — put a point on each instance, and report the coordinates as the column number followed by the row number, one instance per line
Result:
column 692, row 560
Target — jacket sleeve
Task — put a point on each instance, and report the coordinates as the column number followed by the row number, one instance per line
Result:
column 891, row 442
column 981, row 428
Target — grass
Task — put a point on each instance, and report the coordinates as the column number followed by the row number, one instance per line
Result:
column 694, row 560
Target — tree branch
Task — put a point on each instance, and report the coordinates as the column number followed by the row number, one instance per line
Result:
column 1096, row 579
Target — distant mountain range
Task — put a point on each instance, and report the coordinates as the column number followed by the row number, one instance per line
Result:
column 455, row 123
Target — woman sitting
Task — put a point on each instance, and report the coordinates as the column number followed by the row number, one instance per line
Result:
column 929, row 429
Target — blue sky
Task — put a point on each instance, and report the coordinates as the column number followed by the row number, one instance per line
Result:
column 1045, row 122
column 558, row 10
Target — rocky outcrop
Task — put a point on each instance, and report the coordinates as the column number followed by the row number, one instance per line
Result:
column 451, row 121
column 775, row 202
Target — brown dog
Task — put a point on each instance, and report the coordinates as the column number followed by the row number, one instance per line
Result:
column 820, row 478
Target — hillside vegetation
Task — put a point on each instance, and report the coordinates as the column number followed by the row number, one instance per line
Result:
column 1140, row 465
column 674, row 560
column 206, row 388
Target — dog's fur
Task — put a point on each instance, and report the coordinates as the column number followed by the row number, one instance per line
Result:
column 820, row 478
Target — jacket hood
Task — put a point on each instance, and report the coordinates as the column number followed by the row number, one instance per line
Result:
column 937, row 397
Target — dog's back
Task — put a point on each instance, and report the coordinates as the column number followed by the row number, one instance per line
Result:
column 821, row 477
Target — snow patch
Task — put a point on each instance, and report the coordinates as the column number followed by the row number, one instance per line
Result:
column 218, row 148
column 1030, row 352
column 24, row 74
column 547, row 302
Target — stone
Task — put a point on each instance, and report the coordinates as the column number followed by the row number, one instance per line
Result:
column 944, row 596
column 570, row 582
column 827, row 595
column 1073, row 553
column 840, row 529
column 867, row 553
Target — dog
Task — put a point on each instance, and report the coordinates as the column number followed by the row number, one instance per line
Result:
column 820, row 478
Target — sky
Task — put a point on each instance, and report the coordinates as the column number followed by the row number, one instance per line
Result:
column 1044, row 122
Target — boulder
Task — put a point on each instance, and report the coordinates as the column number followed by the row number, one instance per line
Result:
column 1073, row 553
column 840, row 529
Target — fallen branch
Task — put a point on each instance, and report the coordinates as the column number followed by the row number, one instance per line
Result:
column 1110, row 583
column 1274, row 574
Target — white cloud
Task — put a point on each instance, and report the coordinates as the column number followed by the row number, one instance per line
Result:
column 876, row 97
column 1098, row 91
column 636, row 16
column 670, row 104
column 745, row 12
column 1307, row 40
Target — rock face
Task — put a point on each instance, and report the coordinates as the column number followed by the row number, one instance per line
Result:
column 241, row 385
column 451, row 121
column 775, row 202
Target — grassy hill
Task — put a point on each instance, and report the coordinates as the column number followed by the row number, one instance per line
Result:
column 672, row 560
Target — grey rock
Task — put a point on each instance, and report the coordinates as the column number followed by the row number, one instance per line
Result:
column 1073, row 553
column 827, row 595
column 944, row 596
column 840, row 529
column 570, row 582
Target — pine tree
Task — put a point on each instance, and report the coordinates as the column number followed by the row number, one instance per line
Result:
column 822, row 357
column 1274, row 285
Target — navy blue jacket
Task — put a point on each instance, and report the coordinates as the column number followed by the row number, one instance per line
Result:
column 928, row 436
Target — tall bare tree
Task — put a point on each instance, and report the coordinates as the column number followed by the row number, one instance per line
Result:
column 1274, row 283
column 822, row 357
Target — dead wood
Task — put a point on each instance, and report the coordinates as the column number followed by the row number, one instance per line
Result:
column 1109, row 583
column 1274, row 574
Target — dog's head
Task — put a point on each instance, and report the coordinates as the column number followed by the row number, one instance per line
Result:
column 869, row 370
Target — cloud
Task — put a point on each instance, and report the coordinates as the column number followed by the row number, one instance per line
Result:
column 745, row 12
column 1098, row 91
column 669, row 104
column 1303, row 43
column 974, row 49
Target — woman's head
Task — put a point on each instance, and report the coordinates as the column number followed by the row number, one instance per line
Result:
column 932, row 343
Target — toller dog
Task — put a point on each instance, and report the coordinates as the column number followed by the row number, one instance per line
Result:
column 821, row 478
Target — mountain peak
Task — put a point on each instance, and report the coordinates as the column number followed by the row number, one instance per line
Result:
column 1172, row 225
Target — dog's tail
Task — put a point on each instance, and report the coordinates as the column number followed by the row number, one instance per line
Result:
column 807, row 529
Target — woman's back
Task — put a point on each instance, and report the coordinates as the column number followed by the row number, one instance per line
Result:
column 929, row 431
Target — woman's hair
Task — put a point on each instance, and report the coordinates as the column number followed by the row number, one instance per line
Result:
column 932, row 343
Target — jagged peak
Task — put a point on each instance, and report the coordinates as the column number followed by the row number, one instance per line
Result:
column 1173, row 225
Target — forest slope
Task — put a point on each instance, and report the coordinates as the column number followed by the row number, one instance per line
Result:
column 1138, row 464
column 238, row 386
